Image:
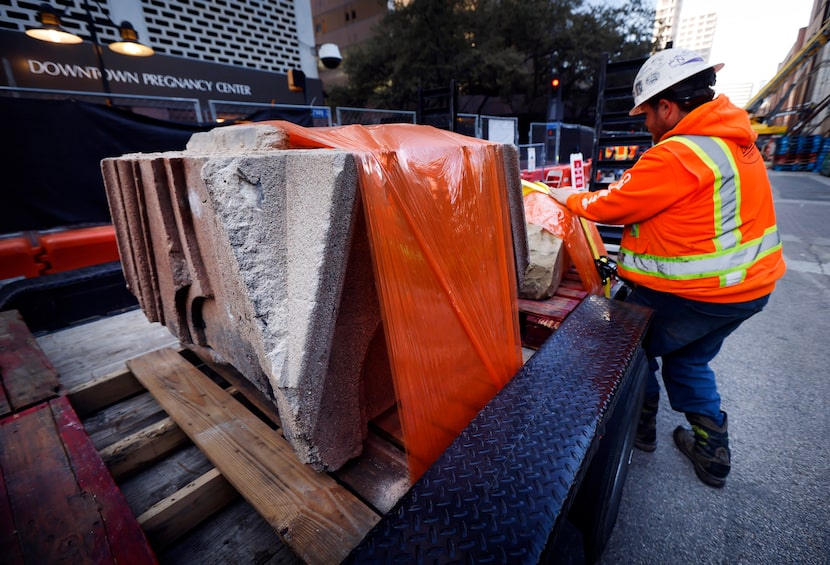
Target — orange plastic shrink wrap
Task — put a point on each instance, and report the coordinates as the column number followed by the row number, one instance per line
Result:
column 439, row 229
column 547, row 213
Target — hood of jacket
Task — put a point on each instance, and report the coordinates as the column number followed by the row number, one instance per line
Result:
column 718, row 118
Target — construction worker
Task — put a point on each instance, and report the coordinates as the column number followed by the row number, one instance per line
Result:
column 700, row 244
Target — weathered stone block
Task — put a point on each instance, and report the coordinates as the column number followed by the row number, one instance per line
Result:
column 259, row 256
column 546, row 267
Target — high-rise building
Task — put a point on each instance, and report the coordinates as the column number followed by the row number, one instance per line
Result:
column 346, row 23
column 697, row 32
column 666, row 22
column 673, row 26
column 739, row 93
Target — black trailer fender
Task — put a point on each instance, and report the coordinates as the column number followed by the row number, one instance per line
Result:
column 51, row 302
column 557, row 436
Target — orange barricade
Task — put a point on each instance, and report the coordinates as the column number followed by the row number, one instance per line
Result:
column 18, row 258
column 73, row 249
column 42, row 253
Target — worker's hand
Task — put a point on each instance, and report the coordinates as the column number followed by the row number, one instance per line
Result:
column 561, row 194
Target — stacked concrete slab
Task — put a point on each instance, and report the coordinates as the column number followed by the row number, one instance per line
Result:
column 257, row 254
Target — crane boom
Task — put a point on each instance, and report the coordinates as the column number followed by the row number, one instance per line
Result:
column 796, row 62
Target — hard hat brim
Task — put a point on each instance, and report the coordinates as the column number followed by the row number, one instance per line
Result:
column 638, row 109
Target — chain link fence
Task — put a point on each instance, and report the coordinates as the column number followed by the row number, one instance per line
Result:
column 182, row 110
column 367, row 117
column 559, row 140
column 531, row 156
column 223, row 110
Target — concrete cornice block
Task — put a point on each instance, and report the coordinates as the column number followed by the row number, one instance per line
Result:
column 262, row 257
column 258, row 254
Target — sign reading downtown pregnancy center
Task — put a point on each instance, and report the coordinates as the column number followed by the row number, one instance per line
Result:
column 29, row 63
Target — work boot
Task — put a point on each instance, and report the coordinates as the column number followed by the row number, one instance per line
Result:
column 707, row 446
column 647, row 426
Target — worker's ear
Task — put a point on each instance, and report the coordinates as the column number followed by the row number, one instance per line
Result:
column 670, row 111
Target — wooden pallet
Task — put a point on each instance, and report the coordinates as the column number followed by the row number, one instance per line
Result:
column 203, row 467
column 207, row 473
column 540, row 318
column 315, row 516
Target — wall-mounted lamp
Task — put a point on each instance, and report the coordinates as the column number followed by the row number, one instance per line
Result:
column 50, row 30
column 129, row 44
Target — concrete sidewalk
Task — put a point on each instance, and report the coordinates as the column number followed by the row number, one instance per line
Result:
column 774, row 379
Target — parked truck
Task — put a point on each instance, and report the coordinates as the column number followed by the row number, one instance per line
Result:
column 534, row 474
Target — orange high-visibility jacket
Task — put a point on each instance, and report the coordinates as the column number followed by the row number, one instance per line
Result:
column 698, row 211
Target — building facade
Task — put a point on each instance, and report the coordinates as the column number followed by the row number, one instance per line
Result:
column 666, row 22
column 798, row 97
column 673, row 27
column 697, row 32
column 210, row 50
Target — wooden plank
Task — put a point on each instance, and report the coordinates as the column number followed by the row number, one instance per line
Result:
column 9, row 547
column 125, row 537
column 537, row 330
column 575, row 293
column 557, row 307
column 388, row 425
column 243, row 385
column 99, row 392
column 314, row 515
column 571, row 279
column 103, row 346
column 114, row 423
column 5, row 407
column 65, row 506
column 169, row 519
column 379, row 475
column 237, row 534
column 60, row 522
column 27, row 375
column 138, row 450
column 165, row 477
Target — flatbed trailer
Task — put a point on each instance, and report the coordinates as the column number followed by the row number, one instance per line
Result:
column 204, row 474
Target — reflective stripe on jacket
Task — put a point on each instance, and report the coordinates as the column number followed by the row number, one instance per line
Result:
column 698, row 211
column 732, row 256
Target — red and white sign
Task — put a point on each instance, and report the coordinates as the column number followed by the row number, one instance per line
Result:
column 577, row 172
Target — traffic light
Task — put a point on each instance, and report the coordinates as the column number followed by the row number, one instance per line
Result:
column 555, row 105
column 555, row 84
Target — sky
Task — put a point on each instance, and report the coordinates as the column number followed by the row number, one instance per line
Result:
column 751, row 36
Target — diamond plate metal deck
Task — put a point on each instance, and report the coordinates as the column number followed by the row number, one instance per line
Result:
column 501, row 491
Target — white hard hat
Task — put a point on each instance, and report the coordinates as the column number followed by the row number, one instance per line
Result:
column 664, row 69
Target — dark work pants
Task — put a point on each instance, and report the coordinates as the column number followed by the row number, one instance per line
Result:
column 687, row 335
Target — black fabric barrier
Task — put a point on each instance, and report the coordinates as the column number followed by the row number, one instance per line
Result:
column 53, row 149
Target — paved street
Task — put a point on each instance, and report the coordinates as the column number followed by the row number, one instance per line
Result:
column 774, row 376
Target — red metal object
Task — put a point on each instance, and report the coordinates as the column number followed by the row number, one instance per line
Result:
column 18, row 258
column 40, row 253
column 60, row 501
column 73, row 249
